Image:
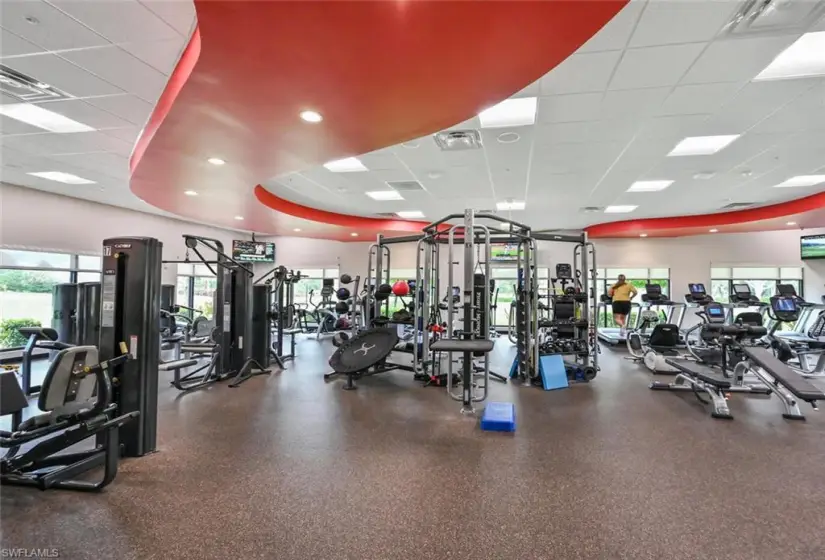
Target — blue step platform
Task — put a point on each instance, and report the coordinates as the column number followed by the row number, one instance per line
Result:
column 499, row 417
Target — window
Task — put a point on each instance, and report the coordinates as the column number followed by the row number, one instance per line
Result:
column 308, row 288
column 638, row 278
column 27, row 279
column 196, row 287
column 762, row 280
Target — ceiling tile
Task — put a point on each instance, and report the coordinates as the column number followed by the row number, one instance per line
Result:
column 736, row 60
column 562, row 133
column 654, row 66
column 114, row 165
column 85, row 113
column 120, row 21
column 533, row 90
column 122, row 69
column 128, row 107
column 381, row 160
column 569, row 108
column 129, row 134
column 160, row 55
column 581, row 73
column 632, row 103
column 49, row 143
column 180, row 14
column 54, row 30
column 63, row 75
column 664, row 23
column 12, row 45
column 9, row 126
column 698, row 98
column 615, row 34
column 673, row 127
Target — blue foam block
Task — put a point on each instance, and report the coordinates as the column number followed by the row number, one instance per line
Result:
column 499, row 417
column 553, row 373
column 514, row 368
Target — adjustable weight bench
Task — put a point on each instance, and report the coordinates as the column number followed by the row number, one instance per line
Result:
column 698, row 378
column 786, row 383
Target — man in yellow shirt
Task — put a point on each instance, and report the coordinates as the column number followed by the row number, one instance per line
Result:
column 622, row 292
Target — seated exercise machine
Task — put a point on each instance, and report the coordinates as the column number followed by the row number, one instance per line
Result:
column 706, row 376
column 44, row 338
column 653, row 349
column 229, row 349
column 76, row 397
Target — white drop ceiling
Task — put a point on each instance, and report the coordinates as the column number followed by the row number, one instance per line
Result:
column 660, row 71
column 607, row 117
column 113, row 57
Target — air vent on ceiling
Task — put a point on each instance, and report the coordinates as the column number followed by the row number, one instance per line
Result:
column 405, row 185
column 452, row 140
column 385, row 215
column 27, row 89
column 591, row 209
column 772, row 16
column 736, row 205
column 486, row 212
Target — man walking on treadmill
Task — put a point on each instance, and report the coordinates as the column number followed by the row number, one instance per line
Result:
column 622, row 292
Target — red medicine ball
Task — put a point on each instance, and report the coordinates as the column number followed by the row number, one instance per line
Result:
column 401, row 288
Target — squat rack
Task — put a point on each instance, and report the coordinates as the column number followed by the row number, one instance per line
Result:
column 428, row 277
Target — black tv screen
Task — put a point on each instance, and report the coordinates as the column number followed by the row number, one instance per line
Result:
column 253, row 251
column 812, row 247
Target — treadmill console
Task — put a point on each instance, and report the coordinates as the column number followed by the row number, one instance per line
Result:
column 654, row 294
column 564, row 270
column 784, row 308
column 715, row 313
column 698, row 294
column 742, row 294
column 328, row 287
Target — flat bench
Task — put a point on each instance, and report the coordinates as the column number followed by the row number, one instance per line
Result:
column 700, row 372
column 785, row 376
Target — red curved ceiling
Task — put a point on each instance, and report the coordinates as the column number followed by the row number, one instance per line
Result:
column 379, row 72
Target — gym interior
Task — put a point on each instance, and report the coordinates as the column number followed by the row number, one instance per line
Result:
column 305, row 280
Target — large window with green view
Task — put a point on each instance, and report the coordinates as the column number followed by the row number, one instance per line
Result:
column 505, row 293
column 639, row 278
column 308, row 289
column 761, row 279
column 196, row 286
column 27, row 279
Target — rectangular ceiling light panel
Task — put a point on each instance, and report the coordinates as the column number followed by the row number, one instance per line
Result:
column 620, row 209
column 410, row 214
column 649, row 186
column 804, row 58
column 510, row 112
column 346, row 165
column 61, row 177
column 385, row 195
column 702, row 145
column 510, row 205
column 802, row 181
column 36, row 115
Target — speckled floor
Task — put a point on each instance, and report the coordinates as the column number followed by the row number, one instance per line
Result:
column 288, row 467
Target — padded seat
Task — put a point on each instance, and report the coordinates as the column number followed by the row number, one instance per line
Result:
column 700, row 372
column 177, row 364
column 788, row 378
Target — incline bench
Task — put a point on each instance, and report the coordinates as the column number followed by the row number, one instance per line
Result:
column 787, row 383
column 698, row 378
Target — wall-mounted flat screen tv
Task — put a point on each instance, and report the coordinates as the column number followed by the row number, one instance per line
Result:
column 253, row 251
column 503, row 252
column 812, row 247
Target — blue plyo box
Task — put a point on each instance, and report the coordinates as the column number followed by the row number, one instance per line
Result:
column 499, row 417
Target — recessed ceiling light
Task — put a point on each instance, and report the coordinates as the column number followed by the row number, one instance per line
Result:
column 311, row 116
column 704, row 175
column 190, row 193
column 649, row 186
column 61, row 177
column 297, row 229
column 802, row 181
column 434, row 174
column 714, row 230
column 510, row 112
column 410, row 214
column 216, row 161
column 803, row 58
column 346, row 165
column 620, row 209
column 702, row 145
column 385, row 195
column 32, row 20
column 642, row 235
column 508, row 137
column 510, row 205
column 239, row 217
column 42, row 118
column 354, row 234
column 791, row 224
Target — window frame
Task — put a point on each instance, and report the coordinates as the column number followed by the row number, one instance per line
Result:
column 732, row 278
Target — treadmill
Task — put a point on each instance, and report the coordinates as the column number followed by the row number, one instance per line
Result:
column 610, row 335
column 805, row 311
column 743, row 297
column 674, row 311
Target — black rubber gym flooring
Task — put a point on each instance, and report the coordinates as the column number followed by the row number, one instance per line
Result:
column 288, row 467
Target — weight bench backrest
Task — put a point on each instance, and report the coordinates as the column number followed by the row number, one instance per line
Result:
column 788, row 378
column 63, row 385
column 45, row 333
